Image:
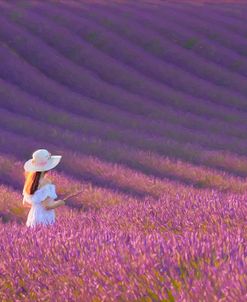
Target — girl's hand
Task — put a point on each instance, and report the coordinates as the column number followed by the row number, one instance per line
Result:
column 50, row 204
column 62, row 202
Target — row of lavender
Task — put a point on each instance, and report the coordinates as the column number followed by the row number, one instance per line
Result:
column 70, row 47
column 217, row 140
column 16, row 128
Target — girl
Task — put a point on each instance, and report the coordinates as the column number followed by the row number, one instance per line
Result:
column 38, row 192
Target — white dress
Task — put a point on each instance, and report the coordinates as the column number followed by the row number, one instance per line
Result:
column 38, row 214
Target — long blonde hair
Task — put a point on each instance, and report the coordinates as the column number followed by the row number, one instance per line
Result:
column 32, row 181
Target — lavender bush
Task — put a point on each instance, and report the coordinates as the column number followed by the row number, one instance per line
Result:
column 185, row 248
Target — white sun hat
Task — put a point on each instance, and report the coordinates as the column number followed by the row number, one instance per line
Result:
column 42, row 160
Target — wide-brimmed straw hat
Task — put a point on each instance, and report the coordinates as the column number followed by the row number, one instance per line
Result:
column 42, row 160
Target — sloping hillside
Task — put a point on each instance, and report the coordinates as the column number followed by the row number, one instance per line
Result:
column 147, row 103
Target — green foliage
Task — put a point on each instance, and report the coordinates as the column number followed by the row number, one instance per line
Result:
column 15, row 14
column 154, row 46
column 190, row 43
column 92, row 36
column 170, row 296
column 107, row 22
column 153, row 296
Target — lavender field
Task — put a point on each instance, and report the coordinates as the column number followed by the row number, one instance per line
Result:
column 146, row 100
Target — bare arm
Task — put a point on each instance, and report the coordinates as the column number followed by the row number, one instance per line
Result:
column 49, row 203
column 26, row 204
